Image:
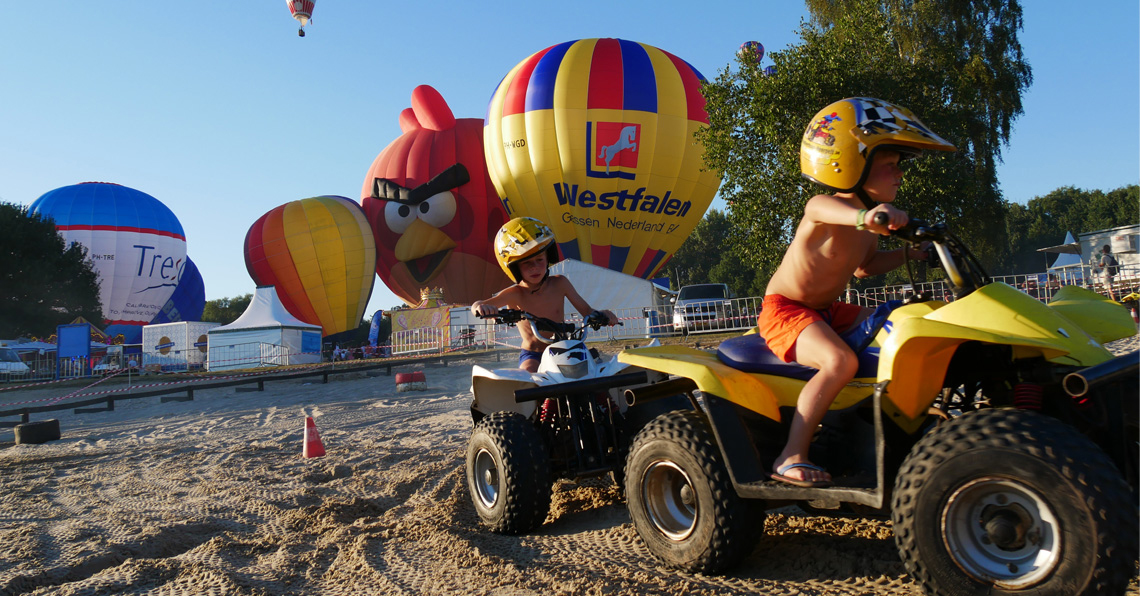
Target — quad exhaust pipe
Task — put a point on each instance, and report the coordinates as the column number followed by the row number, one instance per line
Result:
column 1078, row 383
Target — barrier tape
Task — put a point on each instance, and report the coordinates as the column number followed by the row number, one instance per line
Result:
column 148, row 386
column 59, row 399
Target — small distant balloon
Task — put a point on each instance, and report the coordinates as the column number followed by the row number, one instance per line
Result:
column 769, row 71
column 302, row 10
column 751, row 50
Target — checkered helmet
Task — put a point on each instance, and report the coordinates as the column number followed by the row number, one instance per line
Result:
column 840, row 141
column 520, row 239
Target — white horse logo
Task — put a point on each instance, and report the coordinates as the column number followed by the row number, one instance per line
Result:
column 625, row 141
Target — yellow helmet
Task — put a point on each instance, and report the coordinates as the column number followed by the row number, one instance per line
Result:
column 841, row 139
column 520, row 239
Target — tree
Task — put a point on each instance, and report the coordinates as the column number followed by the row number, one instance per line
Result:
column 226, row 310
column 1043, row 221
column 889, row 50
column 701, row 250
column 711, row 255
column 43, row 283
column 973, row 44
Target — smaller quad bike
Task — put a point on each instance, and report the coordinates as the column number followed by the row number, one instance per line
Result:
column 568, row 420
column 996, row 431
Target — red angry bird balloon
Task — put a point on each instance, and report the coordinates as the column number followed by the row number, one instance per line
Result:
column 432, row 206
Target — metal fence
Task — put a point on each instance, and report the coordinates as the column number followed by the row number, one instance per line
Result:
column 1041, row 286
column 715, row 316
column 738, row 314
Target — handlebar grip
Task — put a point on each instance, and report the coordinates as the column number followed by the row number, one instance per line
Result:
column 881, row 219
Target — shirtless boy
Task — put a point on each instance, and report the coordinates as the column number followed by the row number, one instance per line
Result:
column 854, row 152
column 525, row 250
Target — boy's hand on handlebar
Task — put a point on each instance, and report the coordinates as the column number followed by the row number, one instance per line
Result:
column 884, row 218
column 922, row 251
column 602, row 317
column 483, row 311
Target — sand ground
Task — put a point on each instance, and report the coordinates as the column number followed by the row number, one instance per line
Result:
column 212, row 496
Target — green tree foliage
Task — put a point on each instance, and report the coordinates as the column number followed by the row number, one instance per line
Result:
column 1043, row 221
column 226, row 310
column 711, row 255
column 889, row 50
column 691, row 263
column 974, row 48
column 43, row 283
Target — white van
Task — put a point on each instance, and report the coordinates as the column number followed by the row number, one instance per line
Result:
column 11, row 367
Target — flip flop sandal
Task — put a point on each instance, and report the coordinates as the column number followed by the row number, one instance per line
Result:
column 780, row 477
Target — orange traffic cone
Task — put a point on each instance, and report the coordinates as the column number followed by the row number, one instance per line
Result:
column 313, row 445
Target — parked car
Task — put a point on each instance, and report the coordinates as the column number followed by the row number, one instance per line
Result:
column 11, row 366
column 702, row 307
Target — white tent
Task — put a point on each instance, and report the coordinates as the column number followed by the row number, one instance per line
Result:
column 638, row 302
column 264, row 335
column 1069, row 253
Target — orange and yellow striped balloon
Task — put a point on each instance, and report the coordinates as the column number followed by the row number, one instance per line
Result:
column 321, row 256
column 594, row 137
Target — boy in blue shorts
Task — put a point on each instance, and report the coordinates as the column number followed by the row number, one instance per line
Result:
column 525, row 250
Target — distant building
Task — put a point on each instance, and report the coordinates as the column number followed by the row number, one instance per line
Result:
column 1124, row 241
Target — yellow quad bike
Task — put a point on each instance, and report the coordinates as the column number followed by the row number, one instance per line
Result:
column 996, row 431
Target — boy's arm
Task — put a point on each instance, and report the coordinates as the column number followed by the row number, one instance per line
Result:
column 491, row 305
column 882, row 261
column 827, row 209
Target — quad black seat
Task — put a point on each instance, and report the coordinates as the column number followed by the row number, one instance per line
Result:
column 750, row 353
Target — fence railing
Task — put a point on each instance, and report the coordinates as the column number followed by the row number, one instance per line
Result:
column 715, row 316
column 739, row 314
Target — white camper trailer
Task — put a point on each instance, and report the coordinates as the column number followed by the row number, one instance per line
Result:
column 175, row 347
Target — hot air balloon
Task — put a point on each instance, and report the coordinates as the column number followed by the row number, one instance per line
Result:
column 751, row 52
column 595, row 138
column 320, row 255
column 302, row 10
column 188, row 300
column 433, row 208
column 769, row 71
column 135, row 242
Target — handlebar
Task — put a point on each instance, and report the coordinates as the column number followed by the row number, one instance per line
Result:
column 559, row 331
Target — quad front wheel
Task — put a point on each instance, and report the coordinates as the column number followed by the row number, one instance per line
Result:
column 681, row 499
column 1011, row 502
column 508, row 473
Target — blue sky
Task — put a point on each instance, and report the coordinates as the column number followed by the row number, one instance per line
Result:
column 218, row 109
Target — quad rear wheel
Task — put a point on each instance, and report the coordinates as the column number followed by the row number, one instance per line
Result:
column 508, row 473
column 681, row 499
column 1009, row 502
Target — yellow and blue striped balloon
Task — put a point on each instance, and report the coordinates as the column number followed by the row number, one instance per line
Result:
column 595, row 137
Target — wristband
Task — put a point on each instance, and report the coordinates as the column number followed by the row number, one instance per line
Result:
column 859, row 225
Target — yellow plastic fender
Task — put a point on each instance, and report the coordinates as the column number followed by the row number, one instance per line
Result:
column 916, row 353
column 1104, row 319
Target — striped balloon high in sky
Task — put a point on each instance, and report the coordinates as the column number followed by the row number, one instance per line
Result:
column 321, row 256
column 595, row 138
column 302, row 10
column 135, row 242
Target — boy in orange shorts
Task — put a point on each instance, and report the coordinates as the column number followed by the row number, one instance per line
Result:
column 853, row 148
